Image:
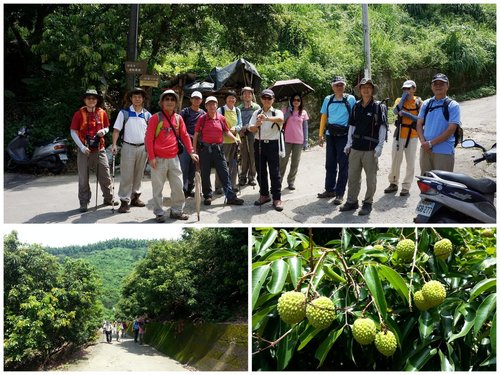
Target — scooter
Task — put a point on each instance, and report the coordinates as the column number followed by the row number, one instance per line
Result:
column 52, row 156
column 448, row 197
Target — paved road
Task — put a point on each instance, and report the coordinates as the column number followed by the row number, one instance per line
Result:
column 124, row 355
column 53, row 199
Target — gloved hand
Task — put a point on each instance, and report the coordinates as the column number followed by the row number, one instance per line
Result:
column 378, row 151
column 85, row 150
column 347, row 149
column 101, row 133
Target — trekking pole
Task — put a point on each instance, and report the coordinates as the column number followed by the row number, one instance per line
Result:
column 260, row 169
column 113, row 182
column 96, row 179
column 235, row 163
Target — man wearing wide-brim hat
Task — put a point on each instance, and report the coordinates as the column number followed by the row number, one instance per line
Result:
column 88, row 127
column 132, row 121
column 365, row 141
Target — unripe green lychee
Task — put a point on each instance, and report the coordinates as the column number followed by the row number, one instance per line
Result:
column 405, row 249
column 487, row 233
column 433, row 293
column 292, row 307
column 420, row 301
column 364, row 330
column 443, row 248
column 378, row 247
column 320, row 312
column 386, row 343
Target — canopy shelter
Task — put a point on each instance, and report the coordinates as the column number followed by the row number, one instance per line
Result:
column 234, row 76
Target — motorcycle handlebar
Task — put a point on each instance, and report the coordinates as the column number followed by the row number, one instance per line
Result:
column 479, row 160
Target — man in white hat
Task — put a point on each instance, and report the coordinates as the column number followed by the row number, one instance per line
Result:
column 190, row 115
column 164, row 128
column 405, row 139
column 365, row 141
column 441, row 116
column 247, row 108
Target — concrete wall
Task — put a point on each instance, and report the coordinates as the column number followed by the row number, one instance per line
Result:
column 207, row 347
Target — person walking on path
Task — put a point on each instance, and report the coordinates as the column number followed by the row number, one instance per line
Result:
column 405, row 139
column 142, row 329
column 135, row 328
column 335, row 112
column 364, row 145
column 164, row 130
column 108, row 328
column 132, row 122
column 266, row 125
column 247, row 108
column 88, row 127
column 232, row 114
column 190, row 116
column 441, row 117
column 296, row 118
column 208, row 135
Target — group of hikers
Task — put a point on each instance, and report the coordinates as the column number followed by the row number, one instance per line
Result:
column 119, row 328
column 266, row 139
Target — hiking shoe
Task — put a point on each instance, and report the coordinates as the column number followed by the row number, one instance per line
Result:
column 404, row 192
column 391, row 188
column 218, row 191
column 136, row 202
column 348, row 206
column 242, row 181
column 124, row 207
column 189, row 194
column 178, row 215
column 252, row 182
column 262, row 200
column 278, row 205
column 327, row 194
column 207, row 201
column 160, row 218
column 365, row 209
column 291, row 187
column 110, row 202
column 84, row 207
column 338, row 200
column 235, row 201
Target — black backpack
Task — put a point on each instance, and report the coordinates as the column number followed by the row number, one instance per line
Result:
column 459, row 132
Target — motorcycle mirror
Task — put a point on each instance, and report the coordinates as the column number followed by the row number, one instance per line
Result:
column 468, row 143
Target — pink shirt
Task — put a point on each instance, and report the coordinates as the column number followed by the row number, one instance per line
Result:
column 294, row 132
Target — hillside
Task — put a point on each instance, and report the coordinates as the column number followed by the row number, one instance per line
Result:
column 114, row 259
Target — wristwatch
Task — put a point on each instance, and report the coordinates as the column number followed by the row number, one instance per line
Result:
column 429, row 143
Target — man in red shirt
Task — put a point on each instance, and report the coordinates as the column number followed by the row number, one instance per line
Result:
column 209, row 131
column 163, row 130
column 88, row 127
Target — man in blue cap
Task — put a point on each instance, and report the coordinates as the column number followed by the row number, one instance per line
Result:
column 441, row 117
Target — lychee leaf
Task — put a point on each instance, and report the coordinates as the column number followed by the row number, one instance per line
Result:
column 279, row 270
column 260, row 315
column 376, row 290
column 418, row 360
column 295, row 268
column 267, row 241
column 396, row 281
column 305, row 337
column 286, row 349
column 484, row 311
column 258, row 277
column 482, row 287
column 327, row 344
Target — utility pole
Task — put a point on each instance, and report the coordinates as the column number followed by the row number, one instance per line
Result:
column 132, row 41
column 366, row 44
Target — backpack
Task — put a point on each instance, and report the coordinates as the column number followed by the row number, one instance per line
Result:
column 136, row 326
column 459, row 132
column 159, row 127
column 336, row 129
column 126, row 116
column 399, row 121
column 379, row 107
column 223, row 111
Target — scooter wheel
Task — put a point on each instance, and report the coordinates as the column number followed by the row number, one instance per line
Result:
column 11, row 166
column 59, row 167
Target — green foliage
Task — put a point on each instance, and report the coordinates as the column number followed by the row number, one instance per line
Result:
column 48, row 306
column 367, row 281
column 202, row 276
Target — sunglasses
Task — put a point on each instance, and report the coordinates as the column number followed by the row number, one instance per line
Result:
column 169, row 99
column 296, row 100
column 91, row 97
column 266, row 98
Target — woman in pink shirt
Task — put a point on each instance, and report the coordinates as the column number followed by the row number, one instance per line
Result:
column 295, row 119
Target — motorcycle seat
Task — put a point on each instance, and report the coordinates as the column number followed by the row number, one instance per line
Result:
column 482, row 185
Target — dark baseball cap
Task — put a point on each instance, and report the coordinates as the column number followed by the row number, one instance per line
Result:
column 440, row 77
column 338, row 79
column 267, row 92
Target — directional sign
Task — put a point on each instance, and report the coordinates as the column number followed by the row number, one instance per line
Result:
column 151, row 80
column 136, row 67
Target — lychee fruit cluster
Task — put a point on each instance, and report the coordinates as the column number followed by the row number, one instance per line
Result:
column 320, row 312
column 364, row 330
column 292, row 307
column 386, row 343
column 443, row 248
column 405, row 249
column 420, row 301
column 378, row 247
column 432, row 294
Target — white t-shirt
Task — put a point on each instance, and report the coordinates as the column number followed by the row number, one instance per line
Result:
column 267, row 131
column 135, row 128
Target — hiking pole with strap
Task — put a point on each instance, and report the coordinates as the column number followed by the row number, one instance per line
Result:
column 113, row 182
column 96, row 179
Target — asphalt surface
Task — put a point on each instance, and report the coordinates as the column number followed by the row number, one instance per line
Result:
column 53, row 199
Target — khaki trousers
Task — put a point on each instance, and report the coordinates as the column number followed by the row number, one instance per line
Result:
column 248, row 169
column 358, row 161
column 132, row 163
column 409, row 154
column 295, row 150
column 167, row 169
column 97, row 161
column 430, row 161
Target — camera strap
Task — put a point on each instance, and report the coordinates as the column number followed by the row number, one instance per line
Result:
column 173, row 129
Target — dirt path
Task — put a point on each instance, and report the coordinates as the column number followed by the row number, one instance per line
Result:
column 124, row 355
column 53, row 199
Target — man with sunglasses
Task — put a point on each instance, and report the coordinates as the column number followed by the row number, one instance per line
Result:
column 266, row 125
column 405, row 139
column 437, row 137
column 163, row 130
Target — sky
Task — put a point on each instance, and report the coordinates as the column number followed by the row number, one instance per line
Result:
column 58, row 235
